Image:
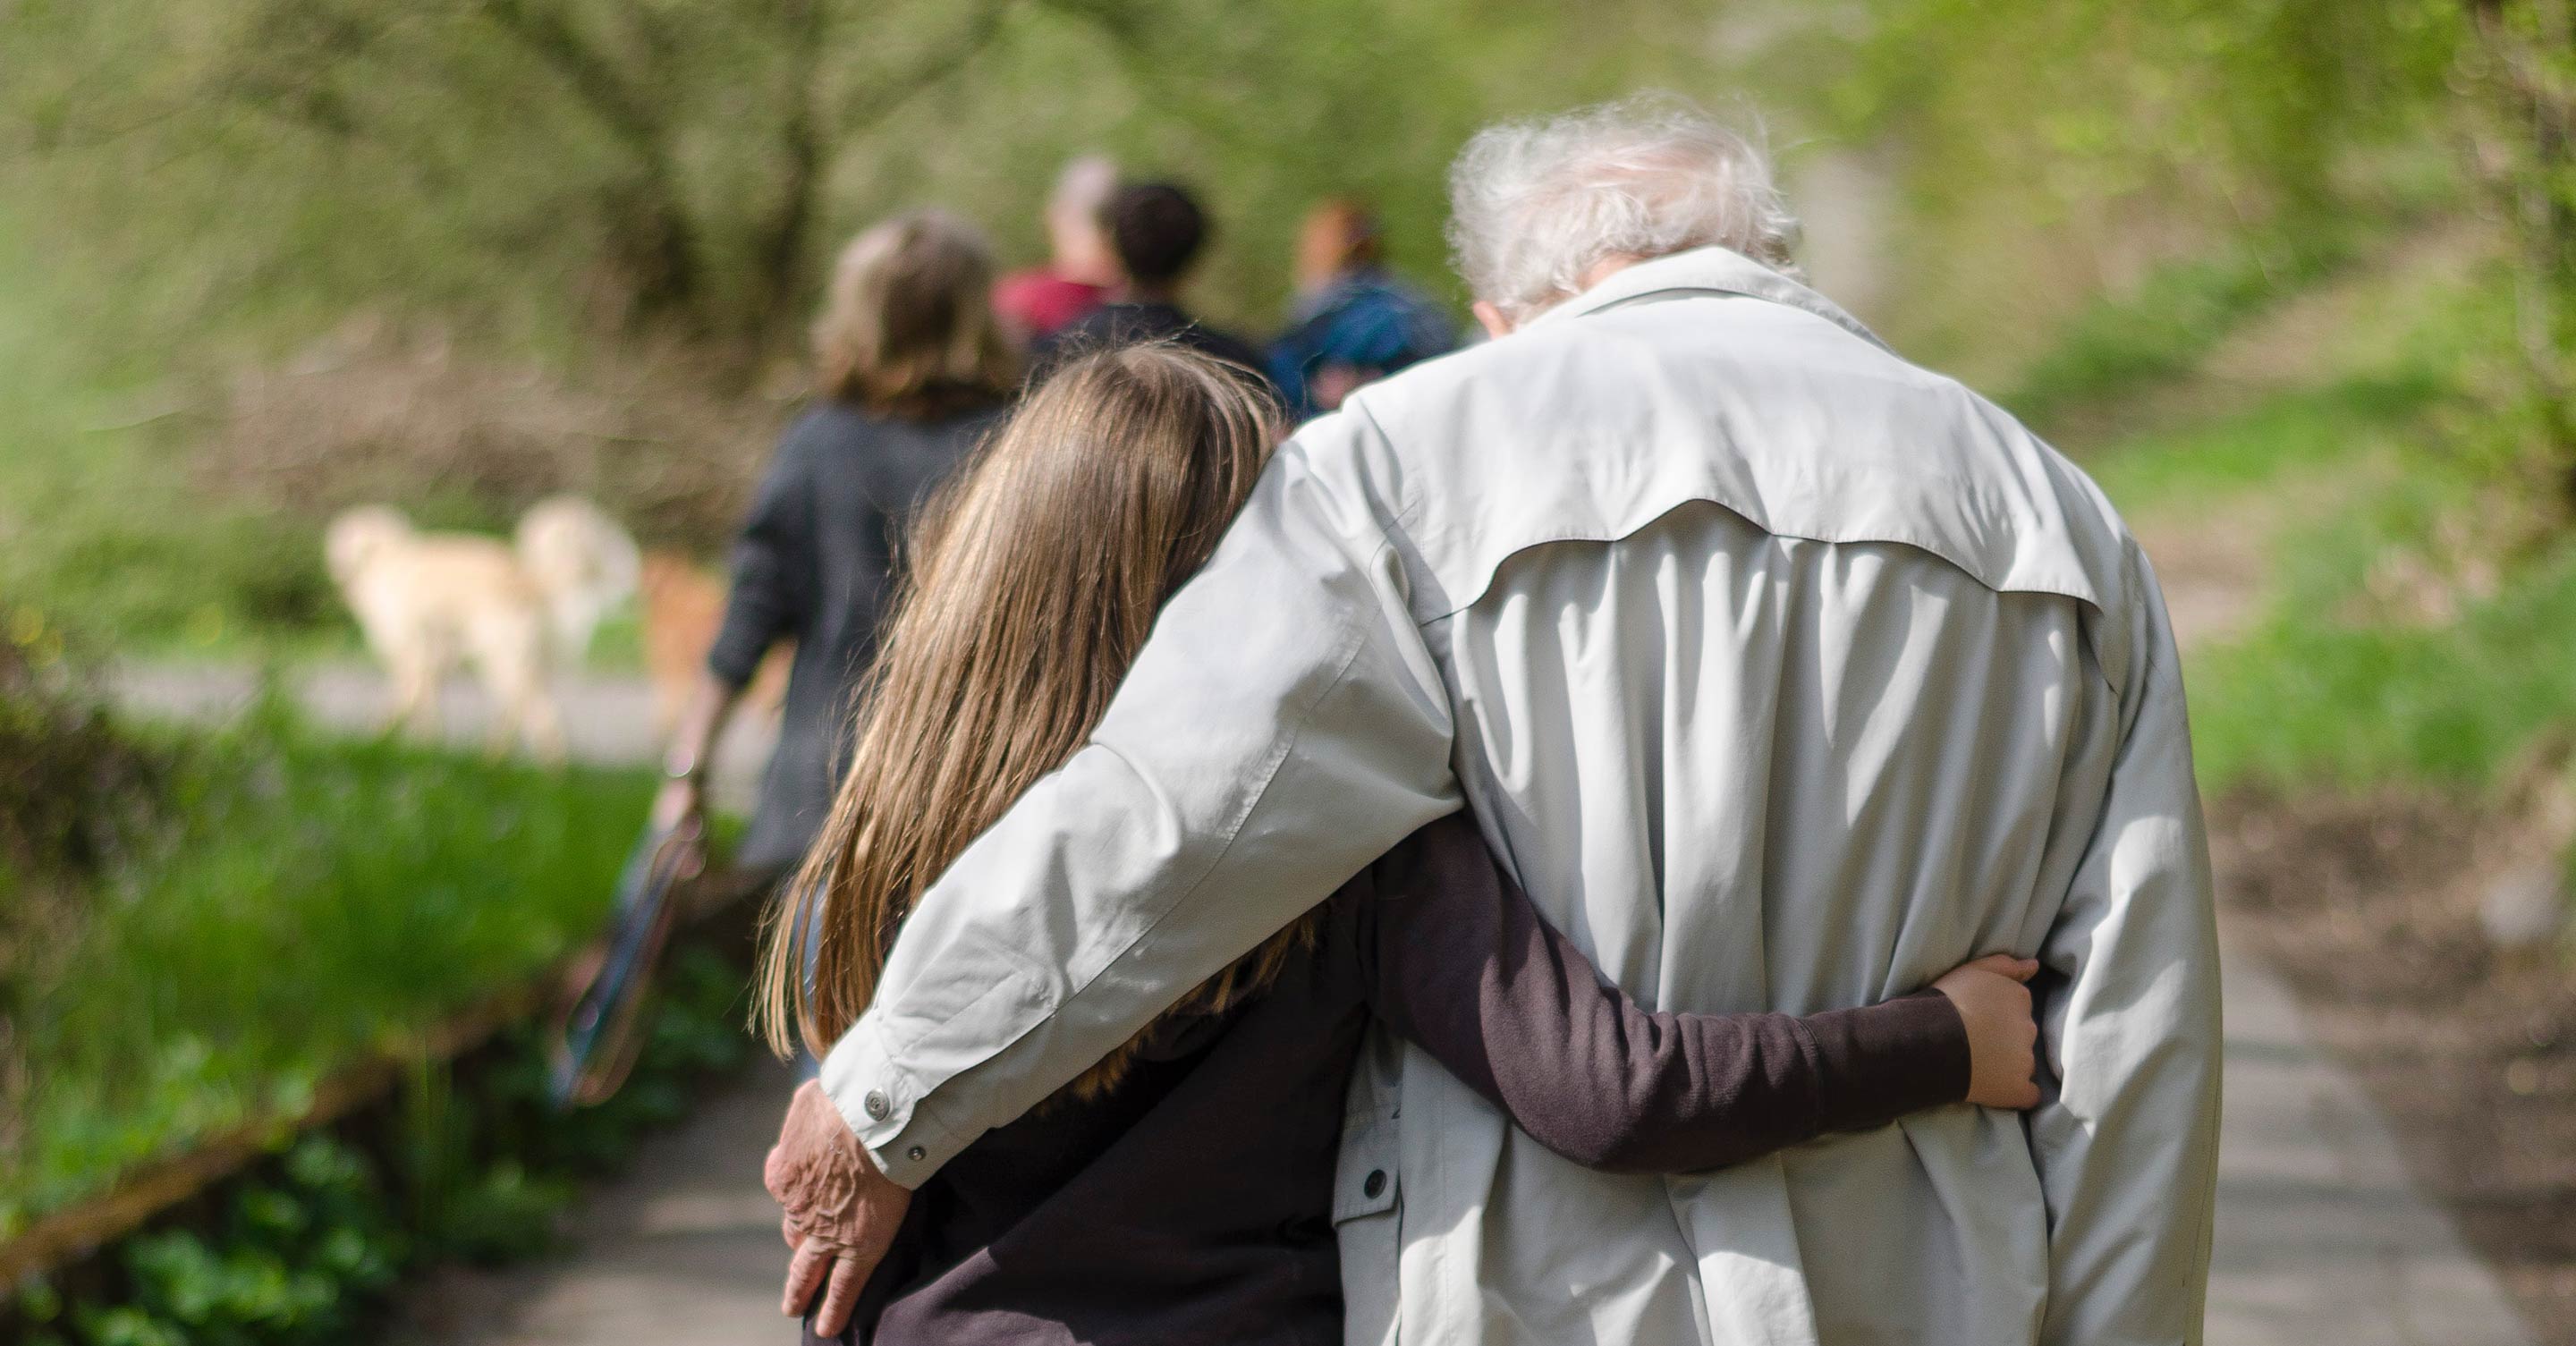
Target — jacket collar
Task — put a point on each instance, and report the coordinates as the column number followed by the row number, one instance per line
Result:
column 1704, row 271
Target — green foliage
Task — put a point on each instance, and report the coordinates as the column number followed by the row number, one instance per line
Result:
column 2313, row 702
column 75, row 789
column 585, row 187
column 2261, row 101
column 294, row 1256
column 695, row 162
column 290, row 1261
column 2286, row 446
column 99, row 522
column 306, row 1248
column 2330, row 688
column 2117, row 346
column 317, row 899
column 2051, row 152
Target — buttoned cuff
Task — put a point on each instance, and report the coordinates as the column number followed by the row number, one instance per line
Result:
column 883, row 1103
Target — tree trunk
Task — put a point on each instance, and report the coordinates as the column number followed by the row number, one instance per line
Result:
column 654, row 252
column 782, row 243
column 2526, row 51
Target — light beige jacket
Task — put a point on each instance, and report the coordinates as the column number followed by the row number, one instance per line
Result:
column 1785, row 675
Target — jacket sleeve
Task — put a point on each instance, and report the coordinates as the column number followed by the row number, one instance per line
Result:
column 772, row 561
column 1466, row 967
column 2126, row 1139
column 1283, row 726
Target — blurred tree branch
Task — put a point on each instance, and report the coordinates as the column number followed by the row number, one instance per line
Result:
column 2525, row 63
column 808, row 134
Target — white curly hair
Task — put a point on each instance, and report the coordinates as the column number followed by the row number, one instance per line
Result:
column 1536, row 205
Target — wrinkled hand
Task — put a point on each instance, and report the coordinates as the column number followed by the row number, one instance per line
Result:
column 1994, row 1003
column 842, row 1213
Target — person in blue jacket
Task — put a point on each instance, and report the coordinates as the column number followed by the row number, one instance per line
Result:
column 1354, row 323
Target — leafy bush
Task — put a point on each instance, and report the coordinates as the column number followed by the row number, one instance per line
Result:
column 77, row 793
column 305, row 1249
column 75, row 789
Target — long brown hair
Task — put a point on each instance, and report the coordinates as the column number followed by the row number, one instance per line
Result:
column 1035, row 578
column 908, row 327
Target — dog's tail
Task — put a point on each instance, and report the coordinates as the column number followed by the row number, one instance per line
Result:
column 581, row 562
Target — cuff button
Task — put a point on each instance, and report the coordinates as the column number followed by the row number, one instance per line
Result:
column 916, row 1154
column 877, row 1105
column 1374, row 1183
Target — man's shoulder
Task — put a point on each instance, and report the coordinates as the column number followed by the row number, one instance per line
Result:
column 1592, row 427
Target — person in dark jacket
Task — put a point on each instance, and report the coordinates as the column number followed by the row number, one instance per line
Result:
column 1158, row 231
column 1184, row 1189
column 912, row 368
column 1354, row 322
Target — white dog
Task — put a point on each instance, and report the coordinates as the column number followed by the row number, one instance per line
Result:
column 518, row 613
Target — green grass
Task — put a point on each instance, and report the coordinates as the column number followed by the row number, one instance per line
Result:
column 2309, row 702
column 2292, row 443
column 2324, row 690
column 2118, row 346
column 316, row 899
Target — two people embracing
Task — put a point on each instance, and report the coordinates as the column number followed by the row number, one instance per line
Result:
column 1672, row 824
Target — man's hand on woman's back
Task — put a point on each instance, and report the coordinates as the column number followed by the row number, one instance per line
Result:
column 1993, row 1000
column 842, row 1213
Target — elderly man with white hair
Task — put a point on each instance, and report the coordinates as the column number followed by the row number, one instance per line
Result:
column 1782, row 673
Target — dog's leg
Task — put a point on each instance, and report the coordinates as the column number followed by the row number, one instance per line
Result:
column 415, row 690
column 543, row 720
column 511, row 653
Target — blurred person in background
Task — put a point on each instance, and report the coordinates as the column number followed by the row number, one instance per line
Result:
column 1081, row 268
column 1354, row 323
column 1158, row 231
column 911, row 368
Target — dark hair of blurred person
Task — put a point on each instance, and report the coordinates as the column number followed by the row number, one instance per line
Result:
column 1353, row 322
column 1082, row 266
column 911, row 366
column 1158, row 230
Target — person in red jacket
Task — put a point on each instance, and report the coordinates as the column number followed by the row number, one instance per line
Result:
column 1083, row 266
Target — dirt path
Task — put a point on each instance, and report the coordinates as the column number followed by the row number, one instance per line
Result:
column 608, row 719
column 2323, row 1236
column 682, row 1250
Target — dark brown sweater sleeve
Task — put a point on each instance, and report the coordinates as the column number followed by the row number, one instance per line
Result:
column 1467, row 968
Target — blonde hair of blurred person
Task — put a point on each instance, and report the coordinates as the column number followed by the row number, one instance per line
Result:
column 1082, row 262
column 910, row 365
column 905, row 329
column 1077, row 239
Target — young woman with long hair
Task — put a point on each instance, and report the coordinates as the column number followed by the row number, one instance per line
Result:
column 1183, row 1190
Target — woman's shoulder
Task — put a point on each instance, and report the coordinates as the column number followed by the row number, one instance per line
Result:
column 826, row 423
column 830, row 424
